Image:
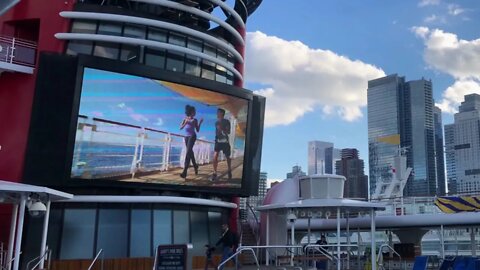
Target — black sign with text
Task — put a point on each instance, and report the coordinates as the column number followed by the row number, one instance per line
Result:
column 171, row 257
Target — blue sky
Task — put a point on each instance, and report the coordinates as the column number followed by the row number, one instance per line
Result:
column 312, row 59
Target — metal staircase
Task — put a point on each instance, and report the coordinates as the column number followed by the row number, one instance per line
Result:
column 248, row 239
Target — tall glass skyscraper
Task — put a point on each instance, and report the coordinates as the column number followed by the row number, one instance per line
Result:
column 383, row 109
column 439, row 153
column 404, row 109
column 322, row 157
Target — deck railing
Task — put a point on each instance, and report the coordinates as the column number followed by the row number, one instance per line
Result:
column 105, row 148
column 17, row 51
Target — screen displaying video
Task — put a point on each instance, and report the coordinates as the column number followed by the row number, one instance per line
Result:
column 136, row 129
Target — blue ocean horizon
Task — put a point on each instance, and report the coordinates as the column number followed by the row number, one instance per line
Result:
column 103, row 159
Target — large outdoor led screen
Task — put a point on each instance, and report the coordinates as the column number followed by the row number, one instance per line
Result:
column 136, row 129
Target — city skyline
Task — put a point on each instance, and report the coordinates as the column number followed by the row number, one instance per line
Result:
column 314, row 69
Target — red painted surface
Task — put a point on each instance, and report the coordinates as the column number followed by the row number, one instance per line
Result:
column 241, row 49
column 234, row 214
column 17, row 89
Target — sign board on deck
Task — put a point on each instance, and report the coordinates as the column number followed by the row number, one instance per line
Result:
column 171, row 257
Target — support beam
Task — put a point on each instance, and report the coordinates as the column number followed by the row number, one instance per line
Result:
column 267, row 239
column 338, row 239
column 473, row 243
column 309, row 231
column 11, row 241
column 442, row 242
column 292, row 241
column 372, row 239
column 348, row 240
column 18, row 237
column 43, row 247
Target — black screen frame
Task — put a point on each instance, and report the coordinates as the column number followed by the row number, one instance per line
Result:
column 51, row 142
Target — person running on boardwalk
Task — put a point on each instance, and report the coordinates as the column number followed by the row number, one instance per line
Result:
column 222, row 131
column 192, row 126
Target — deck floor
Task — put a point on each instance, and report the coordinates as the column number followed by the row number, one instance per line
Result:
column 204, row 177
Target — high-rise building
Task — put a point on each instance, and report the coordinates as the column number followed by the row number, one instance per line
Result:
column 296, row 172
column 404, row 110
column 322, row 157
column 439, row 153
column 383, row 121
column 450, row 158
column 352, row 168
column 255, row 201
column 467, row 145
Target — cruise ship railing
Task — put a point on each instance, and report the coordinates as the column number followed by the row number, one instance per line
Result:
column 2, row 254
column 8, row 263
column 17, row 51
column 100, row 252
column 155, row 258
column 254, row 225
column 400, row 206
column 380, row 260
column 38, row 259
column 105, row 148
column 235, row 255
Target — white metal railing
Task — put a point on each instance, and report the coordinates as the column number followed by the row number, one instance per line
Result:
column 379, row 260
column 253, row 222
column 17, row 51
column 100, row 252
column 155, row 258
column 235, row 255
column 408, row 206
column 106, row 148
column 8, row 263
column 320, row 249
column 3, row 255
column 39, row 259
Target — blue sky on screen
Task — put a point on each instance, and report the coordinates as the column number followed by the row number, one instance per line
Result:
column 312, row 60
column 142, row 102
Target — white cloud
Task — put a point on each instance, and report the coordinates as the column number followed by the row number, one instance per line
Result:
column 271, row 180
column 424, row 3
column 454, row 95
column 435, row 19
column 420, row 31
column 459, row 58
column 430, row 18
column 131, row 113
column 447, row 53
column 454, row 9
column 138, row 117
column 159, row 122
column 302, row 79
column 97, row 114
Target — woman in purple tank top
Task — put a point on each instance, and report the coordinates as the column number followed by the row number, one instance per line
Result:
column 191, row 126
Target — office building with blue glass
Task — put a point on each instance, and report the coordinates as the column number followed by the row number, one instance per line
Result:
column 397, row 107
